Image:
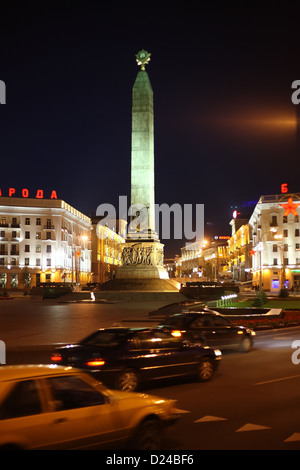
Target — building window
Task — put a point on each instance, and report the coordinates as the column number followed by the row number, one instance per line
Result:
column 2, row 233
column 48, row 235
column 285, row 247
column 13, row 250
column 13, row 261
column 27, row 221
column 3, row 279
column 27, row 235
column 26, row 261
column 38, row 262
column 49, row 223
column 14, row 280
column 48, row 261
column 275, row 261
column 297, row 246
column 1, row 261
column 38, row 236
column 27, row 248
column 297, row 232
column 285, row 233
column 274, row 221
column 49, row 248
column 38, row 249
column 286, row 261
column 38, row 221
column 274, row 248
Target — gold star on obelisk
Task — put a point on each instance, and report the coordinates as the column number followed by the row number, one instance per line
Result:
column 290, row 207
column 142, row 58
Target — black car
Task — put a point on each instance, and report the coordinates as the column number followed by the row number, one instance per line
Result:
column 210, row 329
column 123, row 358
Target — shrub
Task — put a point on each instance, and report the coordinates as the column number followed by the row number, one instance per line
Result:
column 260, row 299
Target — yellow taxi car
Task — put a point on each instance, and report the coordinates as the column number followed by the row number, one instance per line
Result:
column 55, row 407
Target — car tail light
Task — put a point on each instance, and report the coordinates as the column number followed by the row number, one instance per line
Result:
column 95, row 363
column 56, row 357
column 176, row 333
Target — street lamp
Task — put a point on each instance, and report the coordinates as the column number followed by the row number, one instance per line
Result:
column 260, row 249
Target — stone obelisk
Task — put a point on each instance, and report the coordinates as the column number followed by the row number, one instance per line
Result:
column 143, row 253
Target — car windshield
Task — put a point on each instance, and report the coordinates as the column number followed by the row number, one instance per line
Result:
column 106, row 338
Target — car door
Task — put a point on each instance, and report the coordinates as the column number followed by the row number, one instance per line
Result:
column 23, row 418
column 202, row 330
column 163, row 355
column 81, row 417
column 225, row 335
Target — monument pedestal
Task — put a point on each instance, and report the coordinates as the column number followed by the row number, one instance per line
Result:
column 142, row 260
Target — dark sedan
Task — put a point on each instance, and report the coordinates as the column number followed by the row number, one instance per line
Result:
column 123, row 358
column 211, row 329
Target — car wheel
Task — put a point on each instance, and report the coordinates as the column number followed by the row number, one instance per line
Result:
column 128, row 381
column 150, row 435
column 205, row 370
column 246, row 344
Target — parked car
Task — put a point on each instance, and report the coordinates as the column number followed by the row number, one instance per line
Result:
column 53, row 407
column 124, row 358
column 210, row 329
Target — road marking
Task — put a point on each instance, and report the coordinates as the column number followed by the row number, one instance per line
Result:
column 181, row 411
column 251, row 427
column 278, row 380
column 207, row 419
column 294, row 437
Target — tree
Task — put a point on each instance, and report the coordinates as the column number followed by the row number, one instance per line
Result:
column 260, row 299
column 25, row 278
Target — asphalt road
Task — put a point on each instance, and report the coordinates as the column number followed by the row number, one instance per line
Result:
column 253, row 402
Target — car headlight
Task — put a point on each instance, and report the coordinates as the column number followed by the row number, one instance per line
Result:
column 250, row 332
column 218, row 353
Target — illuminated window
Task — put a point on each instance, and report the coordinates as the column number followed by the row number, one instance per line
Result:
column 27, row 221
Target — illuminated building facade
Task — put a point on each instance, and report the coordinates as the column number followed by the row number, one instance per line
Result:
column 276, row 242
column 239, row 246
column 107, row 245
column 43, row 240
column 206, row 260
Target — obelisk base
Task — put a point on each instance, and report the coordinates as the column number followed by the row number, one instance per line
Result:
column 142, row 260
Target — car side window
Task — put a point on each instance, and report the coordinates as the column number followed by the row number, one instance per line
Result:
column 157, row 340
column 72, row 392
column 203, row 321
column 23, row 400
column 220, row 321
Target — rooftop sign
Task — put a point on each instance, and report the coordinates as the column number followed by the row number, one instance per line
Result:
column 39, row 194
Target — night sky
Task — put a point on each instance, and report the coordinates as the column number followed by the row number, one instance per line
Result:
column 225, row 125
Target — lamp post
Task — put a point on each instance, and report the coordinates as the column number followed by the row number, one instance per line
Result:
column 272, row 229
column 282, row 277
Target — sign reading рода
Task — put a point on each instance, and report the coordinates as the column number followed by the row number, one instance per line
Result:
column 25, row 193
